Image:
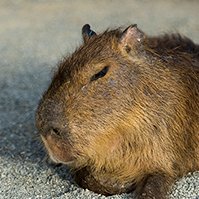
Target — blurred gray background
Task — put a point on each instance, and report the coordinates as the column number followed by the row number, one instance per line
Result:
column 34, row 35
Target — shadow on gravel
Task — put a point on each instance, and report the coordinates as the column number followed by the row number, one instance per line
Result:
column 19, row 96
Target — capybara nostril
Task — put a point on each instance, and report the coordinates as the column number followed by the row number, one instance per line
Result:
column 56, row 131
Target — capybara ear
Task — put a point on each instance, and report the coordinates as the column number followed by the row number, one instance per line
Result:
column 87, row 32
column 131, row 37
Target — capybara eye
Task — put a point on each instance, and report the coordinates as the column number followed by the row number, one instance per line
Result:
column 100, row 74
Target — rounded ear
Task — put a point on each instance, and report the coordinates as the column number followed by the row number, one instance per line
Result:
column 131, row 37
column 87, row 32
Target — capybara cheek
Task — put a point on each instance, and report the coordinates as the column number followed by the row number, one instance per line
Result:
column 58, row 150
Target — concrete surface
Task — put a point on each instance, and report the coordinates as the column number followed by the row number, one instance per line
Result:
column 34, row 35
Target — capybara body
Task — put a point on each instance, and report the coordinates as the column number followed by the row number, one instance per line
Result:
column 123, row 112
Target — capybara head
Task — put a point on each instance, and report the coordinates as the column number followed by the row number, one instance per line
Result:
column 123, row 110
column 90, row 97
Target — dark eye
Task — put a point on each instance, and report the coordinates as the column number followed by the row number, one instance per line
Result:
column 102, row 73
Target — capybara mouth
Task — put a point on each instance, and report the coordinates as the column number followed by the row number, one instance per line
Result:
column 58, row 152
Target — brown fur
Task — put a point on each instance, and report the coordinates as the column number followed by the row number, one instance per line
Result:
column 136, row 127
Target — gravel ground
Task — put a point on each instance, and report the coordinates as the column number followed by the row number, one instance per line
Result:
column 34, row 35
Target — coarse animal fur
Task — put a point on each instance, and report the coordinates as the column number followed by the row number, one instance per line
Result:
column 123, row 112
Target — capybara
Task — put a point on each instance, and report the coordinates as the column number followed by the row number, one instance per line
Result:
column 123, row 112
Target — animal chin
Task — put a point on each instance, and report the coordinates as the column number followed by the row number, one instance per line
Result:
column 58, row 161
